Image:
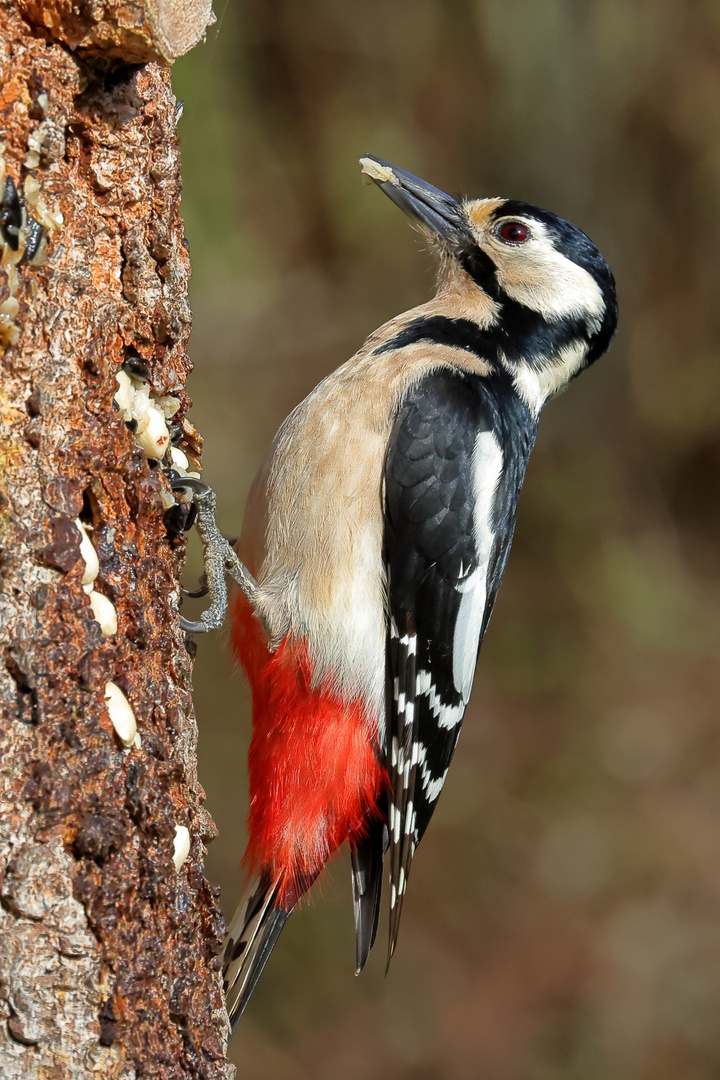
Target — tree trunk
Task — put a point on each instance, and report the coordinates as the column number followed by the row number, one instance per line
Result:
column 107, row 950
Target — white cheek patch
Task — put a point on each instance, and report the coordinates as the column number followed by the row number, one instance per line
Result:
column 538, row 276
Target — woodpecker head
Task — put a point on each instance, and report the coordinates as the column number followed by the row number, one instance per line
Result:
column 555, row 294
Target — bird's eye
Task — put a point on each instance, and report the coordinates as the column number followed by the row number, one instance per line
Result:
column 513, row 232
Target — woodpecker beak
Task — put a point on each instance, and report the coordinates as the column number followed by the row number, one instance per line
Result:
column 434, row 209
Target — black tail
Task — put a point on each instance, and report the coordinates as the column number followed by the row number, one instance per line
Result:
column 367, row 868
column 253, row 931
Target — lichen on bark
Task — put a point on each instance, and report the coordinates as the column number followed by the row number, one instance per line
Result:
column 107, row 952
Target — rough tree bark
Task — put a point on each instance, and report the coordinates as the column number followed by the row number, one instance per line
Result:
column 107, row 951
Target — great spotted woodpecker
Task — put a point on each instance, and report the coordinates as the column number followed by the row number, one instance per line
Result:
column 375, row 538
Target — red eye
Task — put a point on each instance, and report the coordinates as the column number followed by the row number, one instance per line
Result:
column 513, row 232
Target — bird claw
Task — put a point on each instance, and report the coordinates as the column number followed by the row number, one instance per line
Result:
column 202, row 590
column 192, row 626
column 219, row 559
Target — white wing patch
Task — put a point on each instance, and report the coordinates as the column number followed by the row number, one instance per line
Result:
column 487, row 468
column 467, row 631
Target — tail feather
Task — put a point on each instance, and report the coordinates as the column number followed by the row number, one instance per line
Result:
column 367, row 868
column 253, row 931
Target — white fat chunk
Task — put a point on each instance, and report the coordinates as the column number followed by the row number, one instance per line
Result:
column 121, row 714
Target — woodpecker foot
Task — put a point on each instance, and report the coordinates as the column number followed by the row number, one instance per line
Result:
column 219, row 559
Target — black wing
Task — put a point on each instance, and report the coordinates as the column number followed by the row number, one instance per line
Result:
column 455, row 465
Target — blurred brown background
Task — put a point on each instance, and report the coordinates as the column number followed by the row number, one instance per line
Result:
column 563, row 919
